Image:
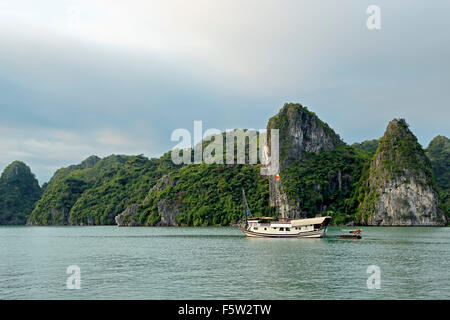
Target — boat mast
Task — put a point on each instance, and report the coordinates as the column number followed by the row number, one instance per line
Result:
column 245, row 205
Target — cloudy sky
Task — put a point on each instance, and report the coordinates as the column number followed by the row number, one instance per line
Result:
column 101, row 76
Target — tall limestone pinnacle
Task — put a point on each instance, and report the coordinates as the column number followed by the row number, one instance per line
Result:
column 300, row 130
column 400, row 189
column 19, row 190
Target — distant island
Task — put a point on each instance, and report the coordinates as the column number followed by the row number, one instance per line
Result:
column 392, row 181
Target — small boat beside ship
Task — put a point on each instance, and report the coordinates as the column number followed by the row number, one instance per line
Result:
column 270, row 227
column 351, row 234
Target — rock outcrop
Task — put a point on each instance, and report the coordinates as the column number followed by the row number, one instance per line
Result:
column 128, row 217
column 300, row 130
column 19, row 191
column 400, row 190
column 167, row 211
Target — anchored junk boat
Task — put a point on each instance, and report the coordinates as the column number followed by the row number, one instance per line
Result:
column 269, row 227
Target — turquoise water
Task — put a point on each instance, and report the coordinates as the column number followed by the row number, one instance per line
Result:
column 220, row 263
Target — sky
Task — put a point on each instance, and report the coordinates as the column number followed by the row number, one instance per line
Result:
column 102, row 77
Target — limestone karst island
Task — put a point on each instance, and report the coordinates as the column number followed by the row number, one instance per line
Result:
column 392, row 181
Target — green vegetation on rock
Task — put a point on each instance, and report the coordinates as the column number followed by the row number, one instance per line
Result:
column 19, row 191
column 368, row 145
column 68, row 184
column 326, row 182
column 399, row 160
column 110, row 196
column 399, row 154
column 439, row 153
column 203, row 194
column 94, row 192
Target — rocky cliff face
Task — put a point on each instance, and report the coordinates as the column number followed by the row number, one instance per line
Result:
column 128, row 217
column 400, row 190
column 19, row 191
column 300, row 131
column 167, row 211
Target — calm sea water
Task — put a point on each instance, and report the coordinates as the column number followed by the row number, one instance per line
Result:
column 220, row 263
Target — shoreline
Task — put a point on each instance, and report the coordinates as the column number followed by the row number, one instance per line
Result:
column 211, row 226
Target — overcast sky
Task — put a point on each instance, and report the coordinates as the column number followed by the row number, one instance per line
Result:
column 100, row 76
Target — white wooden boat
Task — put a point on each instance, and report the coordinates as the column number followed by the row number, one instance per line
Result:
column 267, row 227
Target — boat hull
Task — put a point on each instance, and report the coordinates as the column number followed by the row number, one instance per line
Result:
column 306, row 234
column 349, row 237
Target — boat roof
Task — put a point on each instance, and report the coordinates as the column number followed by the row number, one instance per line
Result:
column 262, row 218
column 296, row 222
column 309, row 221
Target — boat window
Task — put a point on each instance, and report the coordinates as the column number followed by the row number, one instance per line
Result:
column 288, row 229
column 281, row 229
column 255, row 228
column 265, row 228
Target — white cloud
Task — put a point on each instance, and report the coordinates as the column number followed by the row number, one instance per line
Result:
column 265, row 44
column 46, row 149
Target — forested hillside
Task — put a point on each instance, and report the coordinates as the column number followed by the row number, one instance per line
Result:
column 19, row 191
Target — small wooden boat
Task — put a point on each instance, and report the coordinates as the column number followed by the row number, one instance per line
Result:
column 351, row 234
